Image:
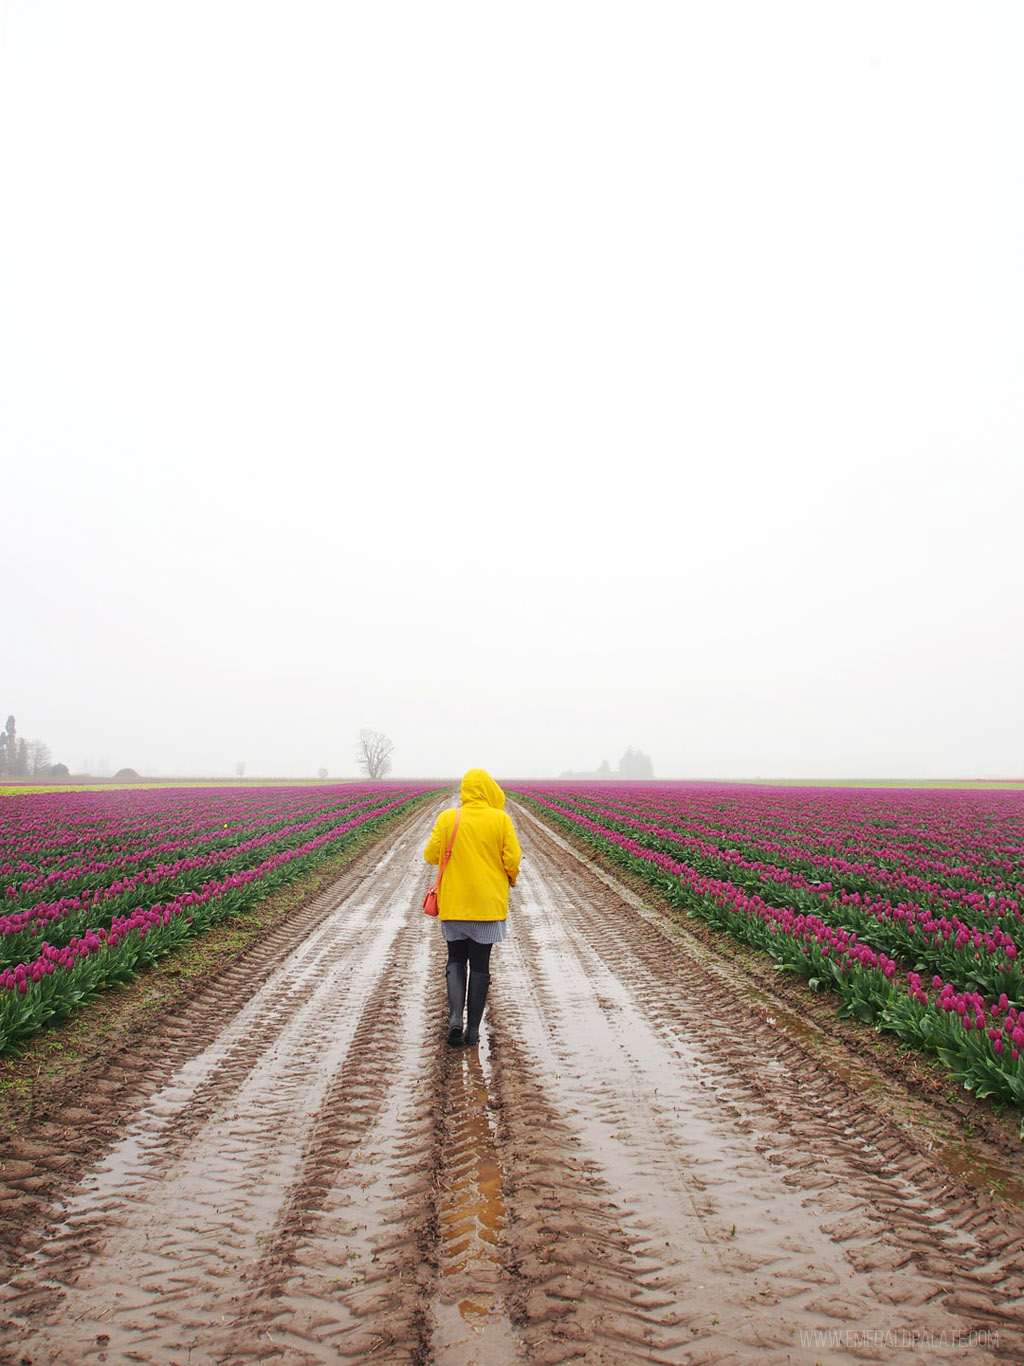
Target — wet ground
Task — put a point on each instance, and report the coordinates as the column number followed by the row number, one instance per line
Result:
column 644, row 1160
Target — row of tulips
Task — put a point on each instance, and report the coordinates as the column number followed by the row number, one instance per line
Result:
column 100, row 833
column 880, row 966
column 113, row 937
column 983, row 958
column 70, row 915
column 845, row 848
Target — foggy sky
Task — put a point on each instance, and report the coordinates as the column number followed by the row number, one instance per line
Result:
column 527, row 382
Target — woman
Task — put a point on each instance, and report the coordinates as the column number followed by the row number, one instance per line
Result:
column 472, row 899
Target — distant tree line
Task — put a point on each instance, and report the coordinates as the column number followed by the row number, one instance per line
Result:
column 21, row 758
column 634, row 766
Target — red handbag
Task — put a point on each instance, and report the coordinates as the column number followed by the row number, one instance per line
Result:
column 430, row 900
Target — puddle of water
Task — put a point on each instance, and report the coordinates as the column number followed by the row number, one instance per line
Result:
column 469, row 1334
column 477, row 1193
column 471, row 1325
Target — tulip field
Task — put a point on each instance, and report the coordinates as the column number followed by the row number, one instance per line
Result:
column 904, row 902
column 97, row 884
column 270, row 1138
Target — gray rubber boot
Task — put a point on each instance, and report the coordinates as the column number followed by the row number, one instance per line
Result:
column 478, row 984
column 456, row 975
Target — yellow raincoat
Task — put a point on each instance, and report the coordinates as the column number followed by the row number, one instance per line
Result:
column 485, row 856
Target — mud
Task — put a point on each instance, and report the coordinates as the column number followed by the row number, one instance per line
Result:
column 643, row 1160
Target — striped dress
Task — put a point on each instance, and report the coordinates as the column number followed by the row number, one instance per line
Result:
column 480, row 931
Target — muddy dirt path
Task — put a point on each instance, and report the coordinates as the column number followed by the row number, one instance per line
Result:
column 629, row 1167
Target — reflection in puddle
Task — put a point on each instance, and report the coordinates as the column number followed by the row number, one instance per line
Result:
column 467, row 1309
column 471, row 1325
column 475, row 1208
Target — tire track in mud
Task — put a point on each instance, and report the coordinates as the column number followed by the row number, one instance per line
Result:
column 470, row 1312
column 758, row 1195
column 576, row 1292
column 243, row 1214
column 346, row 1270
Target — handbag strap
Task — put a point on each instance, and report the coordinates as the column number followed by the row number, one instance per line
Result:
column 448, row 851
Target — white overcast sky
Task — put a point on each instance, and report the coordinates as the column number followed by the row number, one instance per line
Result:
column 525, row 381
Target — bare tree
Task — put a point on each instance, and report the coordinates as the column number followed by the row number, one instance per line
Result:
column 240, row 768
column 373, row 753
column 321, row 773
column 39, row 756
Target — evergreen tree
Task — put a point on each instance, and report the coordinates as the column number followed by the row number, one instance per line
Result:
column 9, row 746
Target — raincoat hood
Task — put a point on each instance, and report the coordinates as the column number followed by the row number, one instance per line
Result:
column 479, row 786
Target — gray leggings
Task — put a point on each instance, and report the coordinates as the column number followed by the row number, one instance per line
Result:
column 463, row 950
